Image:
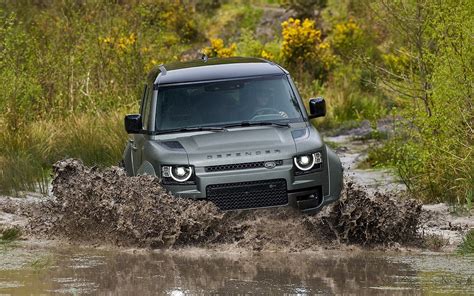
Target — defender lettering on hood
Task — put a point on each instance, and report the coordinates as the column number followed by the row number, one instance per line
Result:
column 246, row 153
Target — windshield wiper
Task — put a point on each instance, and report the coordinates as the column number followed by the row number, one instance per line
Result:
column 258, row 123
column 191, row 129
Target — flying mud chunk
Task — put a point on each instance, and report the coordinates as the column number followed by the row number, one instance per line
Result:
column 360, row 218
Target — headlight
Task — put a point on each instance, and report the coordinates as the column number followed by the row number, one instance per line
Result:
column 179, row 173
column 306, row 162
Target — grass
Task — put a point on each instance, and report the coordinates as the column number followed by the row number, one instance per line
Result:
column 42, row 263
column 332, row 145
column 376, row 158
column 434, row 242
column 373, row 135
column 97, row 139
column 467, row 245
column 9, row 235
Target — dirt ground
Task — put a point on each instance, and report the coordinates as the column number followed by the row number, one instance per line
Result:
column 105, row 207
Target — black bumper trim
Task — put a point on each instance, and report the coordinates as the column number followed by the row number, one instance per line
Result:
column 301, row 200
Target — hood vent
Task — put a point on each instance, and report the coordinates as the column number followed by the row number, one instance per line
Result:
column 172, row 145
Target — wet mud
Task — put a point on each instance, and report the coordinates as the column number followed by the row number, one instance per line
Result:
column 104, row 206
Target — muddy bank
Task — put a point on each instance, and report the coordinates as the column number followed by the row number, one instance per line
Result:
column 104, row 206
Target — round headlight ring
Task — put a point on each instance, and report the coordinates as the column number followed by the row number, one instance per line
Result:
column 183, row 178
column 305, row 168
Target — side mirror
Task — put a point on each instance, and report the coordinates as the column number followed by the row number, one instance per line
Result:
column 317, row 108
column 133, row 123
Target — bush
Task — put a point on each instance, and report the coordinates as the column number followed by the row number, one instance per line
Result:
column 232, row 19
column 174, row 17
column 217, row 49
column 433, row 147
column 348, row 40
column 248, row 45
column 303, row 49
column 303, row 8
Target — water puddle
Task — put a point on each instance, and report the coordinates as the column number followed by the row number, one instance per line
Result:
column 71, row 270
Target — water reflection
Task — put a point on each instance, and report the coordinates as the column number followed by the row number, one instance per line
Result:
column 87, row 271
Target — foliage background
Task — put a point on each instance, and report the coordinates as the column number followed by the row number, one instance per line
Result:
column 70, row 70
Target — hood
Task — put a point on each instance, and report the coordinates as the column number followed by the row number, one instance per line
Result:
column 240, row 145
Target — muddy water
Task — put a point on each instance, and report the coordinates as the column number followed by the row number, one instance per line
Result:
column 71, row 270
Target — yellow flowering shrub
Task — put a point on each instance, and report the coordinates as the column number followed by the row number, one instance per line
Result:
column 266, row 55
column 396, row 63
column 303, row 48
column 348, row 39
column 122, row 44
column 218, row 49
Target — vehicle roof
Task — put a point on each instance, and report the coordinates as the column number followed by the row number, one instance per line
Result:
column 213, row 69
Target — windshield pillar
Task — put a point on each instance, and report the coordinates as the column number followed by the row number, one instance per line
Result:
column 152, row 126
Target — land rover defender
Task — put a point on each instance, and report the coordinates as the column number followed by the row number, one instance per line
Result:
column 234, row 132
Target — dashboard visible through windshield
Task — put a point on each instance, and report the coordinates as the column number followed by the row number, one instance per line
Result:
column 263, row 99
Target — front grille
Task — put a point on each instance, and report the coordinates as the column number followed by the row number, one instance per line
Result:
column 240, row 166
column 247, row 195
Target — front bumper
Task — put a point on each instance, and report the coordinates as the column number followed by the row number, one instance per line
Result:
column 308, row 193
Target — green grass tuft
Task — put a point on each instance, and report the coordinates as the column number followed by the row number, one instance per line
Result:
column 9, row 235
column 467, row 245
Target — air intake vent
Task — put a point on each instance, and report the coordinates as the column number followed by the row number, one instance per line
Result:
column 240, row 166
column 248, row 195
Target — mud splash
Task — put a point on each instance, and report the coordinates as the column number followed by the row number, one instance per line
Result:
column 104, row 206
column 382, row 218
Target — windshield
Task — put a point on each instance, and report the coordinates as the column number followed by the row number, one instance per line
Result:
column 268, row 99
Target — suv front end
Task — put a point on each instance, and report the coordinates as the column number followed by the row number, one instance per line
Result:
column 239, row 154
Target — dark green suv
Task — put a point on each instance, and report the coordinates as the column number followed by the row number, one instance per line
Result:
column 235, row 132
